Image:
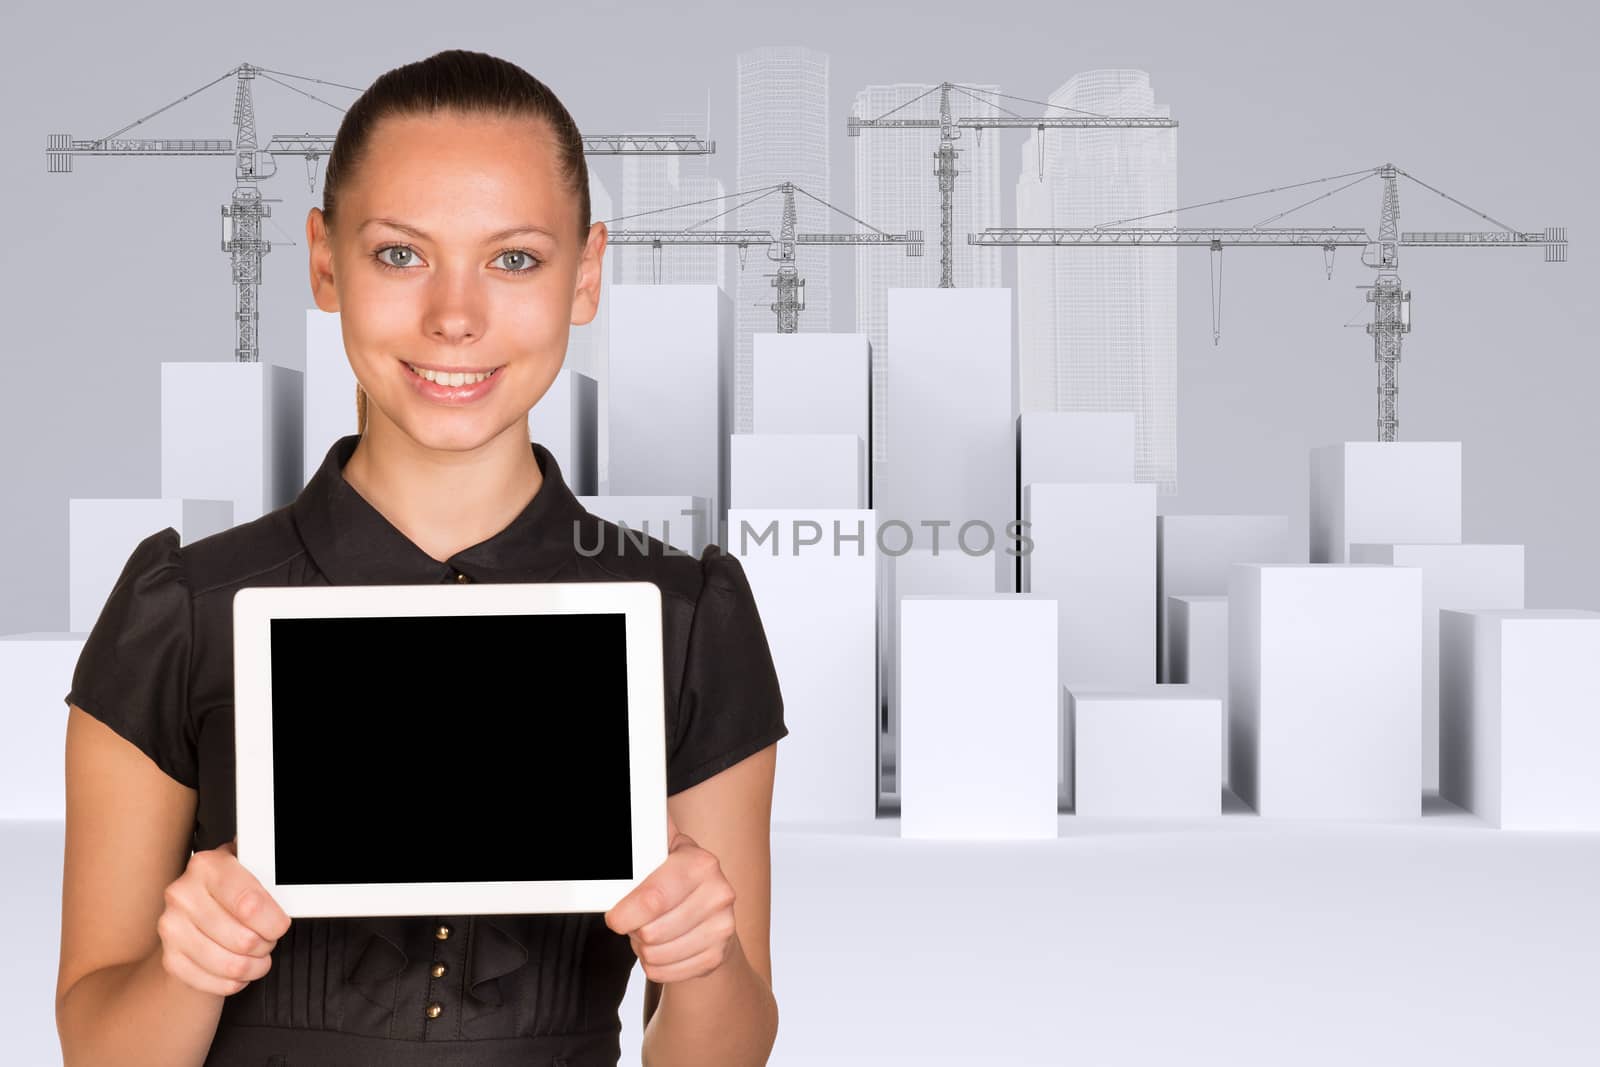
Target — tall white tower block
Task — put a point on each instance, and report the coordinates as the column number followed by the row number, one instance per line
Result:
column 1325, row 690
column 951, row 456
column 35, row 673
column 1199, row 627
column 1520, row 716
column 671, row 392
column 565, row 420
column 797, row 470
column 102, row 534
column 1151, row 751
column 1453, row 576
column 1194, row 552
column 232, row 431
column 1393, row 492
column 814, row 575
column 330, row 390
column 812, row 383
column 980, row 732
column 684, row 522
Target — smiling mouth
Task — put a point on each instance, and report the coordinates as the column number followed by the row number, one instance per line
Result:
column 452, row 379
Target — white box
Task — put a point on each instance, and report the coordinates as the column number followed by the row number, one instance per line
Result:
column 912, row 572
column 671, row 351
column 589, row 344
column 1453, row 576
column 1384, row 492
column 1199, row 627
column 811, row 383
column 232, row 431
column 330, row 391
column 565, row 421
column 35, row 676
column 679, row 521
column 797, row 470
column 1075, row 446
column 1325, row 690
column 1520, row 716
column 1194, row 552
column 818, row 602
column 952, row 402
column 102, row 534
column 980, row 731
column 1151, row 751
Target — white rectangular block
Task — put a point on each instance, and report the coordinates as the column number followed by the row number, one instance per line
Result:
column 232, row 431
column 980, row 730
column 1151, row 751
column 565, row 421
column 1200, row 650
column 1453, row 576
column 680, row 521
column 1520, row 716
column 1325, row 690
column 589, row 343
column 1075, row 446
column 797, row 470
column 811, row 383
column 330, row 391
column 671, row 392
column 101, row 535
column 1194, row 552
column 35, row 674
column 1384, row 492
column 917, row 571
column 951, row 399
column 816, row 593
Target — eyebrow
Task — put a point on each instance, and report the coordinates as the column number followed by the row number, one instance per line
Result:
column 501, row 236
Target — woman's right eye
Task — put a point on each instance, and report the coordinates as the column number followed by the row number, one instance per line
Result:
column 380, row 255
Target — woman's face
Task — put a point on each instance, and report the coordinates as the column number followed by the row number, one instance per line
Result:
column 426, row 273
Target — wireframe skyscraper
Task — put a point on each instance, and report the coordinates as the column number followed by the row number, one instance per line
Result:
column 1097, row 328
column 895, row 190
column 653, row 183
column 784, row 129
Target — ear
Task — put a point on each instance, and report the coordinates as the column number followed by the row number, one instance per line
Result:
column 586, row 295
column 320, row 261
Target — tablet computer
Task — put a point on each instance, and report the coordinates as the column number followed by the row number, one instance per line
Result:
column 451, row 749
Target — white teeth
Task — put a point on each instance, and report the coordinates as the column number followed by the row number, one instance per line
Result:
column 452, row 380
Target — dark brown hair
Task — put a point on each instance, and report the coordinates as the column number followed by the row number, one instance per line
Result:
column 472, row 83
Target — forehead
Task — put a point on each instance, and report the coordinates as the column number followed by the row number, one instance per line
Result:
column 462, row 161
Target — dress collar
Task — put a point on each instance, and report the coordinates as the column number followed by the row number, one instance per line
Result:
column 352, row 543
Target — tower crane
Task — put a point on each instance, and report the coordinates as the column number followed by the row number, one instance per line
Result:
column 950, row 130
column 241, row 218
column 790, row 300
column 1391, row 303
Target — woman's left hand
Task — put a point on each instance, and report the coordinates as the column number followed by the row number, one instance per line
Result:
column 680, row 918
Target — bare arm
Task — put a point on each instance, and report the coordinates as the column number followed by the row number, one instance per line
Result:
column 127, row 838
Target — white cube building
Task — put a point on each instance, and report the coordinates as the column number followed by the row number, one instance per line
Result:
column 1520, row 716
column 102, row 534
column 1325, row 690
column 1199, row 628
column 330, row 390
column 979, row 732
column 1152, row 751
column 813, row 572
column 1453, row 576
column 1384, row 492
column 35, row 676
column 1194, row 553
column 232, row 431
column 566, row 421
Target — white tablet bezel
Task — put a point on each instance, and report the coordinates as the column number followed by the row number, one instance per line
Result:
column 638, row 601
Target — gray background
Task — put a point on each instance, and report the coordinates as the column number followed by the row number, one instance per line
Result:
column 109, row 271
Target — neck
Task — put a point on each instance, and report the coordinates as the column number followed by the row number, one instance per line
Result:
column 444, row 500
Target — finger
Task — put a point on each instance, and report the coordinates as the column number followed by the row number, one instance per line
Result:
column 239, row 892
column 179, row 935
column 700, row 964
column 661, row 891
column 702, row 904
column 191, row 974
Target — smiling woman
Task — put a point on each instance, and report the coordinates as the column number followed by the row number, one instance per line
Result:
column 455, row 243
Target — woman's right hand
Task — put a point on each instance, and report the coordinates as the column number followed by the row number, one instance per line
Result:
column 219, row 926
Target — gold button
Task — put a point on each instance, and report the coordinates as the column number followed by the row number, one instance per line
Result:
column 434, row 1009
column 442, row 933
column 438, row 970
column 462, row 578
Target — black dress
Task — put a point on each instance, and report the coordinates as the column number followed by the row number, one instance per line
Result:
column 488, row 990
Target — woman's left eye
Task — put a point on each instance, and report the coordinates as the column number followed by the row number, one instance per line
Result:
column 525, row 258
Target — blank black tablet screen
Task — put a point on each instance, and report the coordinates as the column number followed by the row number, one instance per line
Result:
column 451, row 749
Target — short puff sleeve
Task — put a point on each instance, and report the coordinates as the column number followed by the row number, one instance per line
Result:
column 729, row 706
column 133, row 671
